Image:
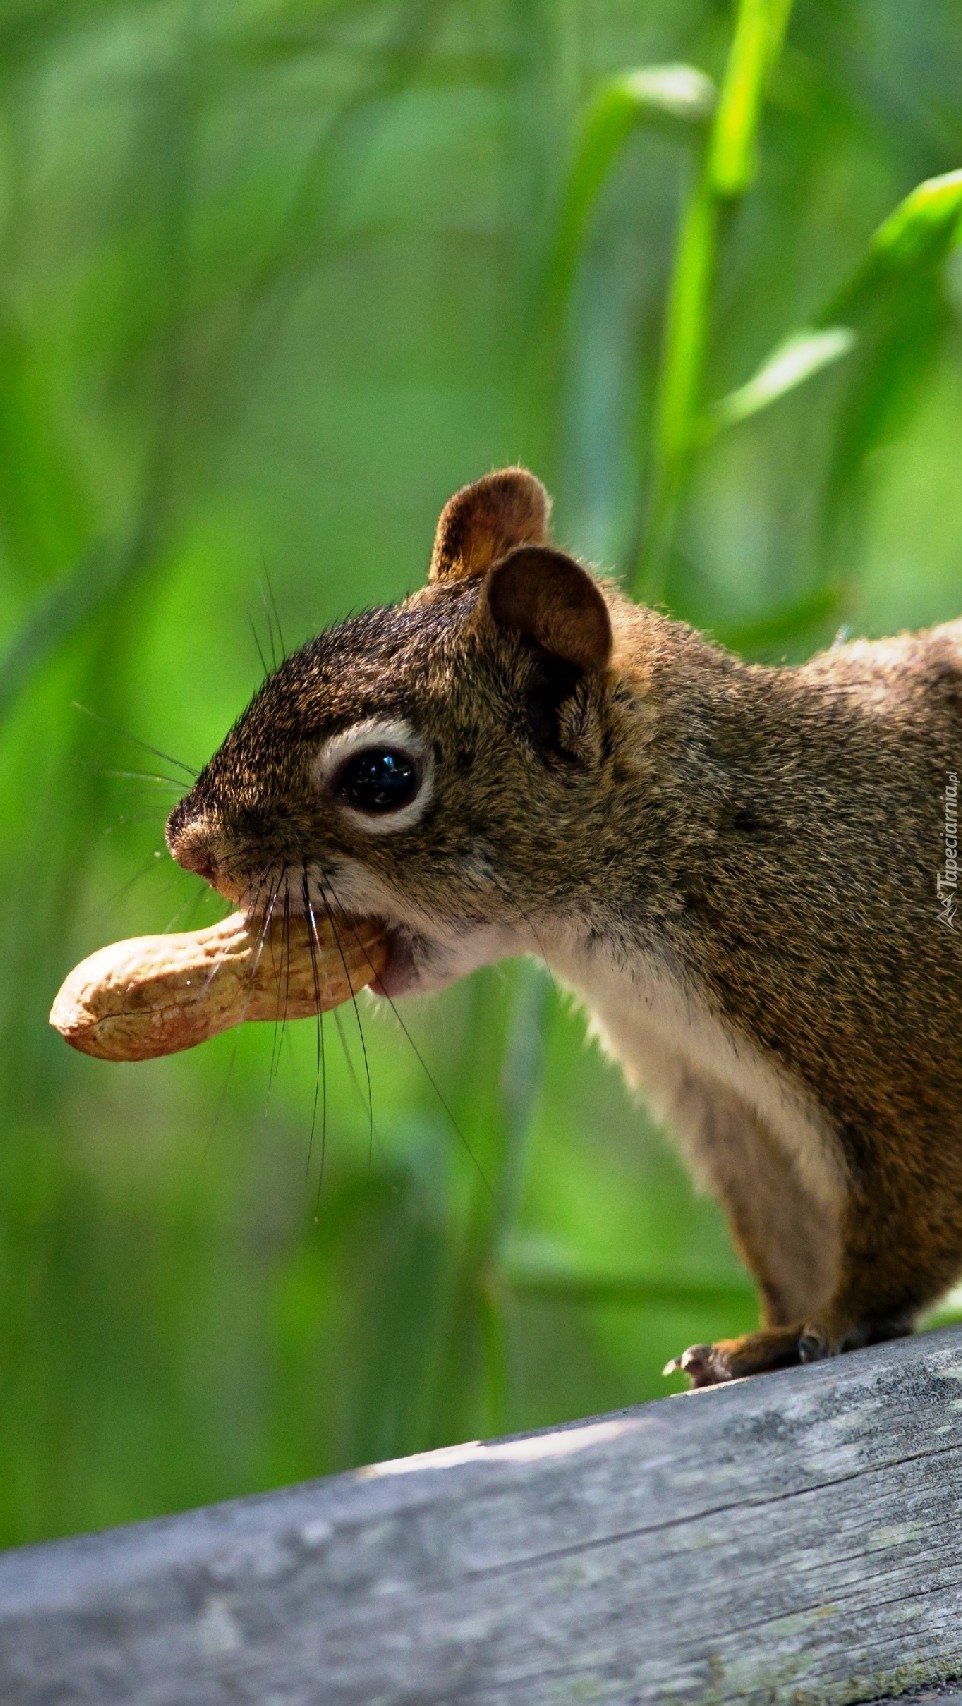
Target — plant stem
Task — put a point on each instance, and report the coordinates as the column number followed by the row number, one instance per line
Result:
column 726, row 172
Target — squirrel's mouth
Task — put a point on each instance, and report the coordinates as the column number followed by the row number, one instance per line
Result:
column 414, row 961
column 402, row 973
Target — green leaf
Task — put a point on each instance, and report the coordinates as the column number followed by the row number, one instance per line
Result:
column 910, row 244
column 797, row 358
column 915, row 238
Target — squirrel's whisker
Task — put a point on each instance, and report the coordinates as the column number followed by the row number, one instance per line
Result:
column 145, row 746
column 283, row 983
column 138, row 877
column 272, row 610
column 321, row 1070
column 417, row 1052
column 536, row 935
column 188, row 910
column 357, row 1014
column 219, row 961
column 349, row 1064
column 127, row 818
column 171, row 782
column 260, row 649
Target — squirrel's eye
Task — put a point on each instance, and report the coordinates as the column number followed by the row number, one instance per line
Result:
column 379, row 779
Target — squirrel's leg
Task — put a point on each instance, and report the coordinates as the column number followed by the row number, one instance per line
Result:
column 786, row 1237
column 888, row 1270
column 896, row 1259
column 787, row 1240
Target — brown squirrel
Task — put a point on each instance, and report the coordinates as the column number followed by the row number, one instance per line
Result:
column 747, row 874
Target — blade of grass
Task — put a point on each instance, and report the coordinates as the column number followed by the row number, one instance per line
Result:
column 798, row 358
column 683, row 356
column 677, row 96
column 916, row 237
column 45, row 512
column 727, row 170
column 759, row 34
column 910, row 244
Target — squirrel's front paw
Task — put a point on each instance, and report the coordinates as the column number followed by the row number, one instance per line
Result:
column 755, row 1353
column 705, row 1365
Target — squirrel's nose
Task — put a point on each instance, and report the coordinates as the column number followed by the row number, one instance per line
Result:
column 198, row 859
column 193, row 852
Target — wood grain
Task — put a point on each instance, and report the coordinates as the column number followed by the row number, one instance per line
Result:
column 792, row 1538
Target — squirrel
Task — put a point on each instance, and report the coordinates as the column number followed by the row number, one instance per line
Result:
column 746, row 873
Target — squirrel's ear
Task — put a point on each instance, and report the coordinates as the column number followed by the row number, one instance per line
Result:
column 550, row 599
column 481, row 523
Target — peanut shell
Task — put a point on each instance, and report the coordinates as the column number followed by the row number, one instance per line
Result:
column 154, row 995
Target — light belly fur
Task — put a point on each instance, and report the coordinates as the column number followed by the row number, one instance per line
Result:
column 747, row 1133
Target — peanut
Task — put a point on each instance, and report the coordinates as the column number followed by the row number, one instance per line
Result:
column 153, row 995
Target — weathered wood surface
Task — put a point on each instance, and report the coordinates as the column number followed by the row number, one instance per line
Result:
column 793, row 1538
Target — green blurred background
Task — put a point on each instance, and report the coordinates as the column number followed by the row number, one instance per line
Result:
column 278, row 276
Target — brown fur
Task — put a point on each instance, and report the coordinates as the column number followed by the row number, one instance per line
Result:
column 613, row 790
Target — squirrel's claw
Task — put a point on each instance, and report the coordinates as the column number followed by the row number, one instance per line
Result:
column 755, row 1353
column 704, row 1365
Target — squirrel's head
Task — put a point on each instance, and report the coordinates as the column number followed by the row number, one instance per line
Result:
column 439, row 764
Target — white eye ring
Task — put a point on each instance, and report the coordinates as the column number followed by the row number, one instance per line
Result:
column 393, row 733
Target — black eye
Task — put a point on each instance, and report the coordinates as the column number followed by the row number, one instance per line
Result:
column 379, row 779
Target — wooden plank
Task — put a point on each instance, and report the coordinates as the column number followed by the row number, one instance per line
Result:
column 793, row 1538
column 926, row 1697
